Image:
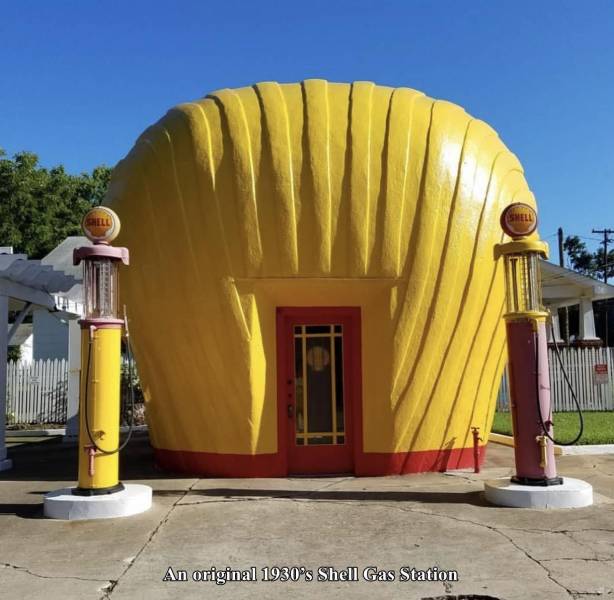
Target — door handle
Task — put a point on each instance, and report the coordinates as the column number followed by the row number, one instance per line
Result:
column 290, row 411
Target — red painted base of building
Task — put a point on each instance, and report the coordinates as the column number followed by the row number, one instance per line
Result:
column 272, row 465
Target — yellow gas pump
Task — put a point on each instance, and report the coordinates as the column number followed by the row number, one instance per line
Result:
column 101, row 332
column 99, row 493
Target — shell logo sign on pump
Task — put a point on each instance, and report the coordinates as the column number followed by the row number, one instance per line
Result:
column 101, row 224
column 519, row 220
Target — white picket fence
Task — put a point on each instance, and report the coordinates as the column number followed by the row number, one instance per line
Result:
column 37, row 392
column 579, row 364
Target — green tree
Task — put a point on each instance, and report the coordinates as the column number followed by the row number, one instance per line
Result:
column 581, row 259
column 588, row 263
column 13, row 353
column 40, row 207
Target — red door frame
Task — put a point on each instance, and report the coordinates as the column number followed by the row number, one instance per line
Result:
column 349, row 317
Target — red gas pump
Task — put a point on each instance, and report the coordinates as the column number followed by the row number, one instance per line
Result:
column 535, row 483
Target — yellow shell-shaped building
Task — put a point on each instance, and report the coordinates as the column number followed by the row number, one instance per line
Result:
column 312, row 284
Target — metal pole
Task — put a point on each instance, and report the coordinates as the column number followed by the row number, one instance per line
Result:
column 4, row 317
column 562, row 264
column 605, row 280
column 606, row 240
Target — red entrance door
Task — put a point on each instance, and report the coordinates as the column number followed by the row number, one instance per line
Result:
column 318, row 385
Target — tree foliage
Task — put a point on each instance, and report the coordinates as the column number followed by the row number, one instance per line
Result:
column 588, row 263
column 581, row 259
column 40, row 207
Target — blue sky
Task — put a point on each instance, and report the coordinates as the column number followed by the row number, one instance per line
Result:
column 81, row 80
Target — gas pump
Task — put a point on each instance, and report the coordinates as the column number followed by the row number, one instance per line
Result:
column 101, row 332
column 535, row 482
column 99, row 493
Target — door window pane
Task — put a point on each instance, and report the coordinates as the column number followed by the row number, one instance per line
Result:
column 320, row 440
column 339, row 383
column 318, row 328
column 318, row 383
column 298, row 385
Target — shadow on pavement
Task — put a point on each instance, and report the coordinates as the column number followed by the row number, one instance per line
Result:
column 51, row 460
column 443, row 497
column 24, row 511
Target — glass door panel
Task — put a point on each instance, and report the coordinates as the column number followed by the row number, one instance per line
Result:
column 318, row 376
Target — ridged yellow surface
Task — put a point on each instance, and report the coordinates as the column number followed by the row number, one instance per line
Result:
column 103, row 407
column 316, row 194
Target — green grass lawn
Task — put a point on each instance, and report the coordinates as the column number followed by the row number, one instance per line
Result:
column 598, row 426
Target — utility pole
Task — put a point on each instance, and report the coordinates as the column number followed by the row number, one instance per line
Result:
column 605, row 233
column 562, row 264
column 606, row 240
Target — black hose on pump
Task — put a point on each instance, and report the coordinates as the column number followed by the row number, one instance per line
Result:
column 571, row 389
column 86, row 397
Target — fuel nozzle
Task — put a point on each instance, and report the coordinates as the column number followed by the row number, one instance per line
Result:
column 542, row 441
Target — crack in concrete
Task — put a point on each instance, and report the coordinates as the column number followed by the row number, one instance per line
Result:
column 570, row 592
column 601, row 472
column 412, row 509
column 113, row 584
column 468, row 521
column 447, row 587
column 536, row 561
column 568, row 534
column 40, row 576
column 576, row 530
column 468, row 478
column 584, row 559
column 233, row 499
column 334, row 483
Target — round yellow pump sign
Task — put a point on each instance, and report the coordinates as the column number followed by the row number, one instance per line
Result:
column 519, row 220
column 100, row 224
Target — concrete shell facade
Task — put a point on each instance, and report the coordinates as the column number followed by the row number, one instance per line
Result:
column 316, row 194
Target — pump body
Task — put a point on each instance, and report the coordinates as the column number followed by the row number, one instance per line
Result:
column 530, row 384
column 99, row 403
column 527, row 348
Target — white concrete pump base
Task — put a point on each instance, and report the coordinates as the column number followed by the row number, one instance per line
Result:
column 572, row 493
column 133, row 499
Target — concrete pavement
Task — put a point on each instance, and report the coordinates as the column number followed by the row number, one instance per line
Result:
column 433, row 521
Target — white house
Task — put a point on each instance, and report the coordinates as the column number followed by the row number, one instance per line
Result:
column 25, row 285
column 563, row 287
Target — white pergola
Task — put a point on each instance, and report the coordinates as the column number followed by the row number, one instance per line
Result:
column 563, row 287
column 24, row 284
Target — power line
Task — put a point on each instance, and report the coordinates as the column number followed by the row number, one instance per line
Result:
column 585, row 237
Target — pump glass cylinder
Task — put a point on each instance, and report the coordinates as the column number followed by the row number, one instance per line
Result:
column 101, row 287
column 522, row 282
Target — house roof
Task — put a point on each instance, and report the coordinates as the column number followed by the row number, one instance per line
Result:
column 61, row 258
column 31, row 281
column 24, row 331
column 561, row 286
